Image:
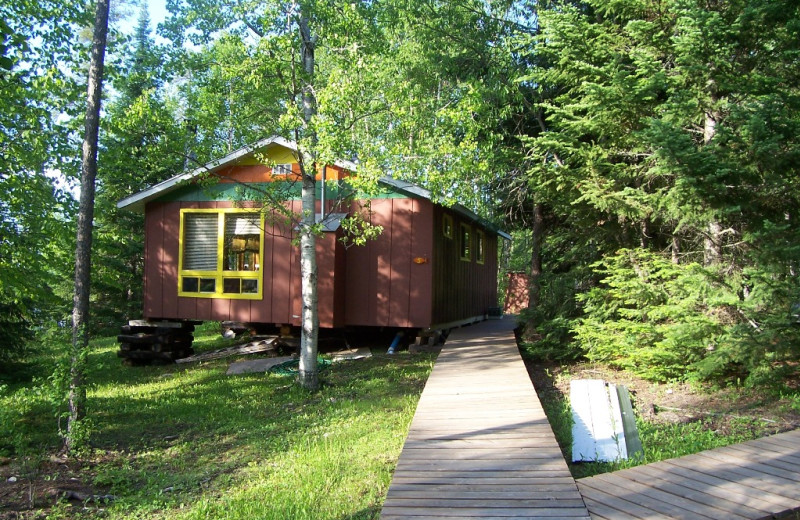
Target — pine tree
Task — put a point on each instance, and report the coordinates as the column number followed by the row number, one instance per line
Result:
column 656, row 141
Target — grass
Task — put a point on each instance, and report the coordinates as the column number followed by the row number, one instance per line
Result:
column 660, row 440
column 186, row 442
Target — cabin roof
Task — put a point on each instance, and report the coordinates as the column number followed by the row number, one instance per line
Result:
column 137, row 201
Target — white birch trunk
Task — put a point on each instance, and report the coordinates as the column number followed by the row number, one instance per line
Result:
column 308, row 374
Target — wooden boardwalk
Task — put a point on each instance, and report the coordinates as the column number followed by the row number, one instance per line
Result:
column 479, row 445
column 753, row 480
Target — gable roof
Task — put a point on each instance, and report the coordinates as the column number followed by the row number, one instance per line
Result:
column 137, row 201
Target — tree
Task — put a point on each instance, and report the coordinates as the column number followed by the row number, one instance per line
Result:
column 144, row 142
column 397, row 87
column 651, row 144
column 38, row 91
column 80, row 312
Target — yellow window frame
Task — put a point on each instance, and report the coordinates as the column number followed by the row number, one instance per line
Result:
column 219, row 275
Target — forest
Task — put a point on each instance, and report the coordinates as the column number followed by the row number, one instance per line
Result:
column 644, row 154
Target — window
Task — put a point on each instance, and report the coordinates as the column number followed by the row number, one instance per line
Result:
column 447, row 226
column 282, row 169
column 480, row 246
column 466, row 242
column 220, row 254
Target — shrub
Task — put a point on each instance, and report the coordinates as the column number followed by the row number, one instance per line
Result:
column 650, row 316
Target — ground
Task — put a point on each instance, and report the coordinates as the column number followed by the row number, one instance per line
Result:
column 30, row 488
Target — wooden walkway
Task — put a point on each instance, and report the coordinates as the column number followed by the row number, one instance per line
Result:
column 480, row 445
column 753, row 480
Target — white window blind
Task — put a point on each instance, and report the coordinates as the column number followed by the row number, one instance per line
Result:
column 200, row 241
column 242, row 225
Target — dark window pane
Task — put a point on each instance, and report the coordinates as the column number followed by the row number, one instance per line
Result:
column 190, row 284
column 250, row 286
column 208, row 285
column 231, row 286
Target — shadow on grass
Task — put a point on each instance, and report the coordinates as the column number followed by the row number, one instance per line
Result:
column 194, row 430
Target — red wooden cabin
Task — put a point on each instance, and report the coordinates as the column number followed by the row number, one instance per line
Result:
column 211, row 257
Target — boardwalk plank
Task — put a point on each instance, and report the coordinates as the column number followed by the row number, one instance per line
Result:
column 774, row 485
column 661, row 501
column 626, row 508
column 602, row 511
column 732, row 490
column 480, row 445
column 740, row 460
column 692, row 490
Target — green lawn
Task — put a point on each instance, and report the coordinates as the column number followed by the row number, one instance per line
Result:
column 190, row 442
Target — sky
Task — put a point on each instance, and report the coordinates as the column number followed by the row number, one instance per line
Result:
column 158, row 11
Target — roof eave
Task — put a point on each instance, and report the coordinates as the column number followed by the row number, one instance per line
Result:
column 138, row 201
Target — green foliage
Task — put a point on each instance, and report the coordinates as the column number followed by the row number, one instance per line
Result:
column 668, row 129
column 38, row 89
column 649, row 315
column 681, row 321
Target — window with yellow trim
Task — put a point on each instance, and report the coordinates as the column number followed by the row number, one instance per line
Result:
column 447, row 226
column 220, row 254
column 465, row 242
column 480, row 246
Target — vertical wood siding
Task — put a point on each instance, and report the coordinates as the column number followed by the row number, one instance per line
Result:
column 384, row 286
column 462, row 289
column 378, row 284
column 153, row 259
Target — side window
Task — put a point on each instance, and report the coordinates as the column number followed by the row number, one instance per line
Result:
column 480, row 246
column 447, row 226
column 282, row 169
column 242, row 242
column 465, row 242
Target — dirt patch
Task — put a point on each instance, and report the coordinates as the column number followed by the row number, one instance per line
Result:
column 29, row 490
column 676, row 402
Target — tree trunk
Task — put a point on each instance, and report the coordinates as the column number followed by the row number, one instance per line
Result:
column 535, row 286
column 308, row 376
column 644, row 235
column 712, row 244
column 80, row 310
column 676, row 249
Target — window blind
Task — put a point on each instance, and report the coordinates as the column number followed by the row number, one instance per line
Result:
column 200, row 241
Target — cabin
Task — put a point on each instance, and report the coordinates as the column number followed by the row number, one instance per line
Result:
column 212, row 255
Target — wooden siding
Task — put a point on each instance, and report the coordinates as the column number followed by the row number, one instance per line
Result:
column 517, row 295
column 462, row 289
column 378, row 284
column 385, row 287
column 252, row 173
column 280, row 267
